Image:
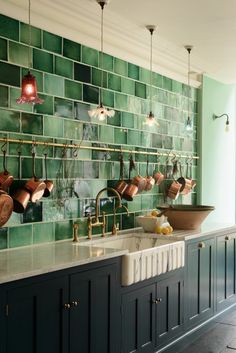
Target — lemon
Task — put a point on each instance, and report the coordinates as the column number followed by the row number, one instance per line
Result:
column 165, row 230
column 154, row 213
column 170, row 229
column 158, row 230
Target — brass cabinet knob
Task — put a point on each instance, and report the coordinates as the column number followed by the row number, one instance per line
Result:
column 67, row 306
column 75, row 303
column 227, row 238
column 154, row 301
column 201, row 245
column 157, row 301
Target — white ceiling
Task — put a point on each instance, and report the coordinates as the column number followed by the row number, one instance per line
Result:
column 208, row 25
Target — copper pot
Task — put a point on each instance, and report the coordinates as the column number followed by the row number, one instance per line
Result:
column 150, row 181
column 20, row 200
column 35, row 186
column 140, row 182
column 6, row 207
column 121, row 185
column 174, row 190
column 6, row 178
column 158, row 176
column 186, row 185
column 48, row 183
column 131, row 189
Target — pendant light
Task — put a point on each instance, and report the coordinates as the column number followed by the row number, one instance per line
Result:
column 29, row 93
column 189, row 123
column 101, row 113
column 150, row 119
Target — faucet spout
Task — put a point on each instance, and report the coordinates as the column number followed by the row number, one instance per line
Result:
column 114, row 227
column 98, row 197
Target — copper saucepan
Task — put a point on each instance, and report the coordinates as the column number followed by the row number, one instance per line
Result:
column 121, row 185
column 131, row 189
column 6, row 178
column 174, row 189
column 6, row 207
column 150, row 181
column 186, row 183
column 158, row 176
column 140, row 182
column 35, row 186
column 48, row 183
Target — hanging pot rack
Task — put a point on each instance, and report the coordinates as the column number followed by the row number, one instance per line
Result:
column 171, row 153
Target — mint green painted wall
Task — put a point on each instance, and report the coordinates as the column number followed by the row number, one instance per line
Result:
column 217, row 149
column 69, row 78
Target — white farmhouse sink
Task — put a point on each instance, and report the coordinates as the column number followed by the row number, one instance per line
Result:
column 148, row 255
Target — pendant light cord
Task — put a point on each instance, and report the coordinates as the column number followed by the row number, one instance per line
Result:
column 101, row 60
column 189, row 88
column 30, row 37
column 151, row 31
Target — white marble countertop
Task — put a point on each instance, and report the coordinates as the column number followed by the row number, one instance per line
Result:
column 35, row 260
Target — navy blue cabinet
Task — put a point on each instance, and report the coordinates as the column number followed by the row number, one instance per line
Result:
column 199, row 281
column 225, row 271
column 153, row 313
column 70, row 311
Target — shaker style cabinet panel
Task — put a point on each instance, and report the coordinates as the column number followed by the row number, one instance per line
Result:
column 35, row 319
column 94, row 319
column 138, row 320
column 199, row 281
column 169, row 309
column 225, row 270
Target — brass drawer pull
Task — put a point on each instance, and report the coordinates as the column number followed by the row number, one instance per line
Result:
column 201, row 245
column 67, row 306
column 75, row 303
column 157, row 301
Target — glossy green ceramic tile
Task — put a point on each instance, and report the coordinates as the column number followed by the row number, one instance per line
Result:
column 36, row 34
column 146, row 139
column 90, row 132
column 120, row 67
column 140, row 89
column 133, row 71
column 3, row 96
column 90, row 94
column 9, row 28
column 145, row 75
column 71, row 49
column 121, row 101
column 91, row 170
column 26, row 167
column 73, row 90
column 72, row 209
column 107, row 97
column 147, row 202
column 3, row 238
column 32, row 123
column 52, row 211
column 176, row 87
column 73, row 169
column 134, row 137
column 82, row 73
column 115, row 120
column 63, row 67
column 10, row 74
column 43, row 233
column 3, row 49
column 47, row 107
column 106, row 62
column 73, row 129
column 167, row 83
column 42, row 60
column 14, row 95
column 105, row 170
column 63, row 230
column 10, row 120
column 20, row 236
column 53, row 85
column 89, row 56
column 53, row 167
column 157, row 141
column 167, row 142
column 97, row 78
column 136, row 204
column 120, row 136
column 157, row 80
column 81, row 111
column 127, row 119
column 127, row 86
column 106, row 134
column 63, row 107
column 127, row 221
column 33, row 213
column 114, row 82
column 52, row 42
column 53, row 126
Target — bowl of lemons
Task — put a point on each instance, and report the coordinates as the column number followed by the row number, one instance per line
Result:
column 154, row 222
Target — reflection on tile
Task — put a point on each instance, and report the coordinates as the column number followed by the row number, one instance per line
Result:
column 33, row 213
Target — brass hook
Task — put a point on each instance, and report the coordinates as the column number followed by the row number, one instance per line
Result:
column 3, row 149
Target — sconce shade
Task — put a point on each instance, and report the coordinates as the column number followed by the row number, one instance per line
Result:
column 29, row 93
column 101, row 113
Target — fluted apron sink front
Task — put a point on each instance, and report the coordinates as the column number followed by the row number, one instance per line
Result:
column 148, row 256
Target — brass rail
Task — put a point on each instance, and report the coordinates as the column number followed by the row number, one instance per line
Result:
column 95, row 148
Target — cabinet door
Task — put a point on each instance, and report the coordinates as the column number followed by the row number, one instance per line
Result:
column 35, row 319
column 138, row 320
column 225, row 271
column 169, row 305
column 199, row 289
column 94, row 322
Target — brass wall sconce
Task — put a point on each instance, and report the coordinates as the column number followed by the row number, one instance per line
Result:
column 227, row 120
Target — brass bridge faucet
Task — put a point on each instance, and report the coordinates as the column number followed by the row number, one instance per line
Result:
column 114, row 227
column 94, row 221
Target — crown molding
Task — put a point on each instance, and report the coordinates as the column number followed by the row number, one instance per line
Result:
column 122, row 39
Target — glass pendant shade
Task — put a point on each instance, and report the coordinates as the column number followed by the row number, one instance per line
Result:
column 150, row 120
column 189, row 126
column 29, row 93
column 101, row 113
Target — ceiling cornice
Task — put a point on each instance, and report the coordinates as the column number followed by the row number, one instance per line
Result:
column 122, row 39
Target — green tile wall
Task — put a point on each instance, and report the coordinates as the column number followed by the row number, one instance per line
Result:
column 69, row 78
